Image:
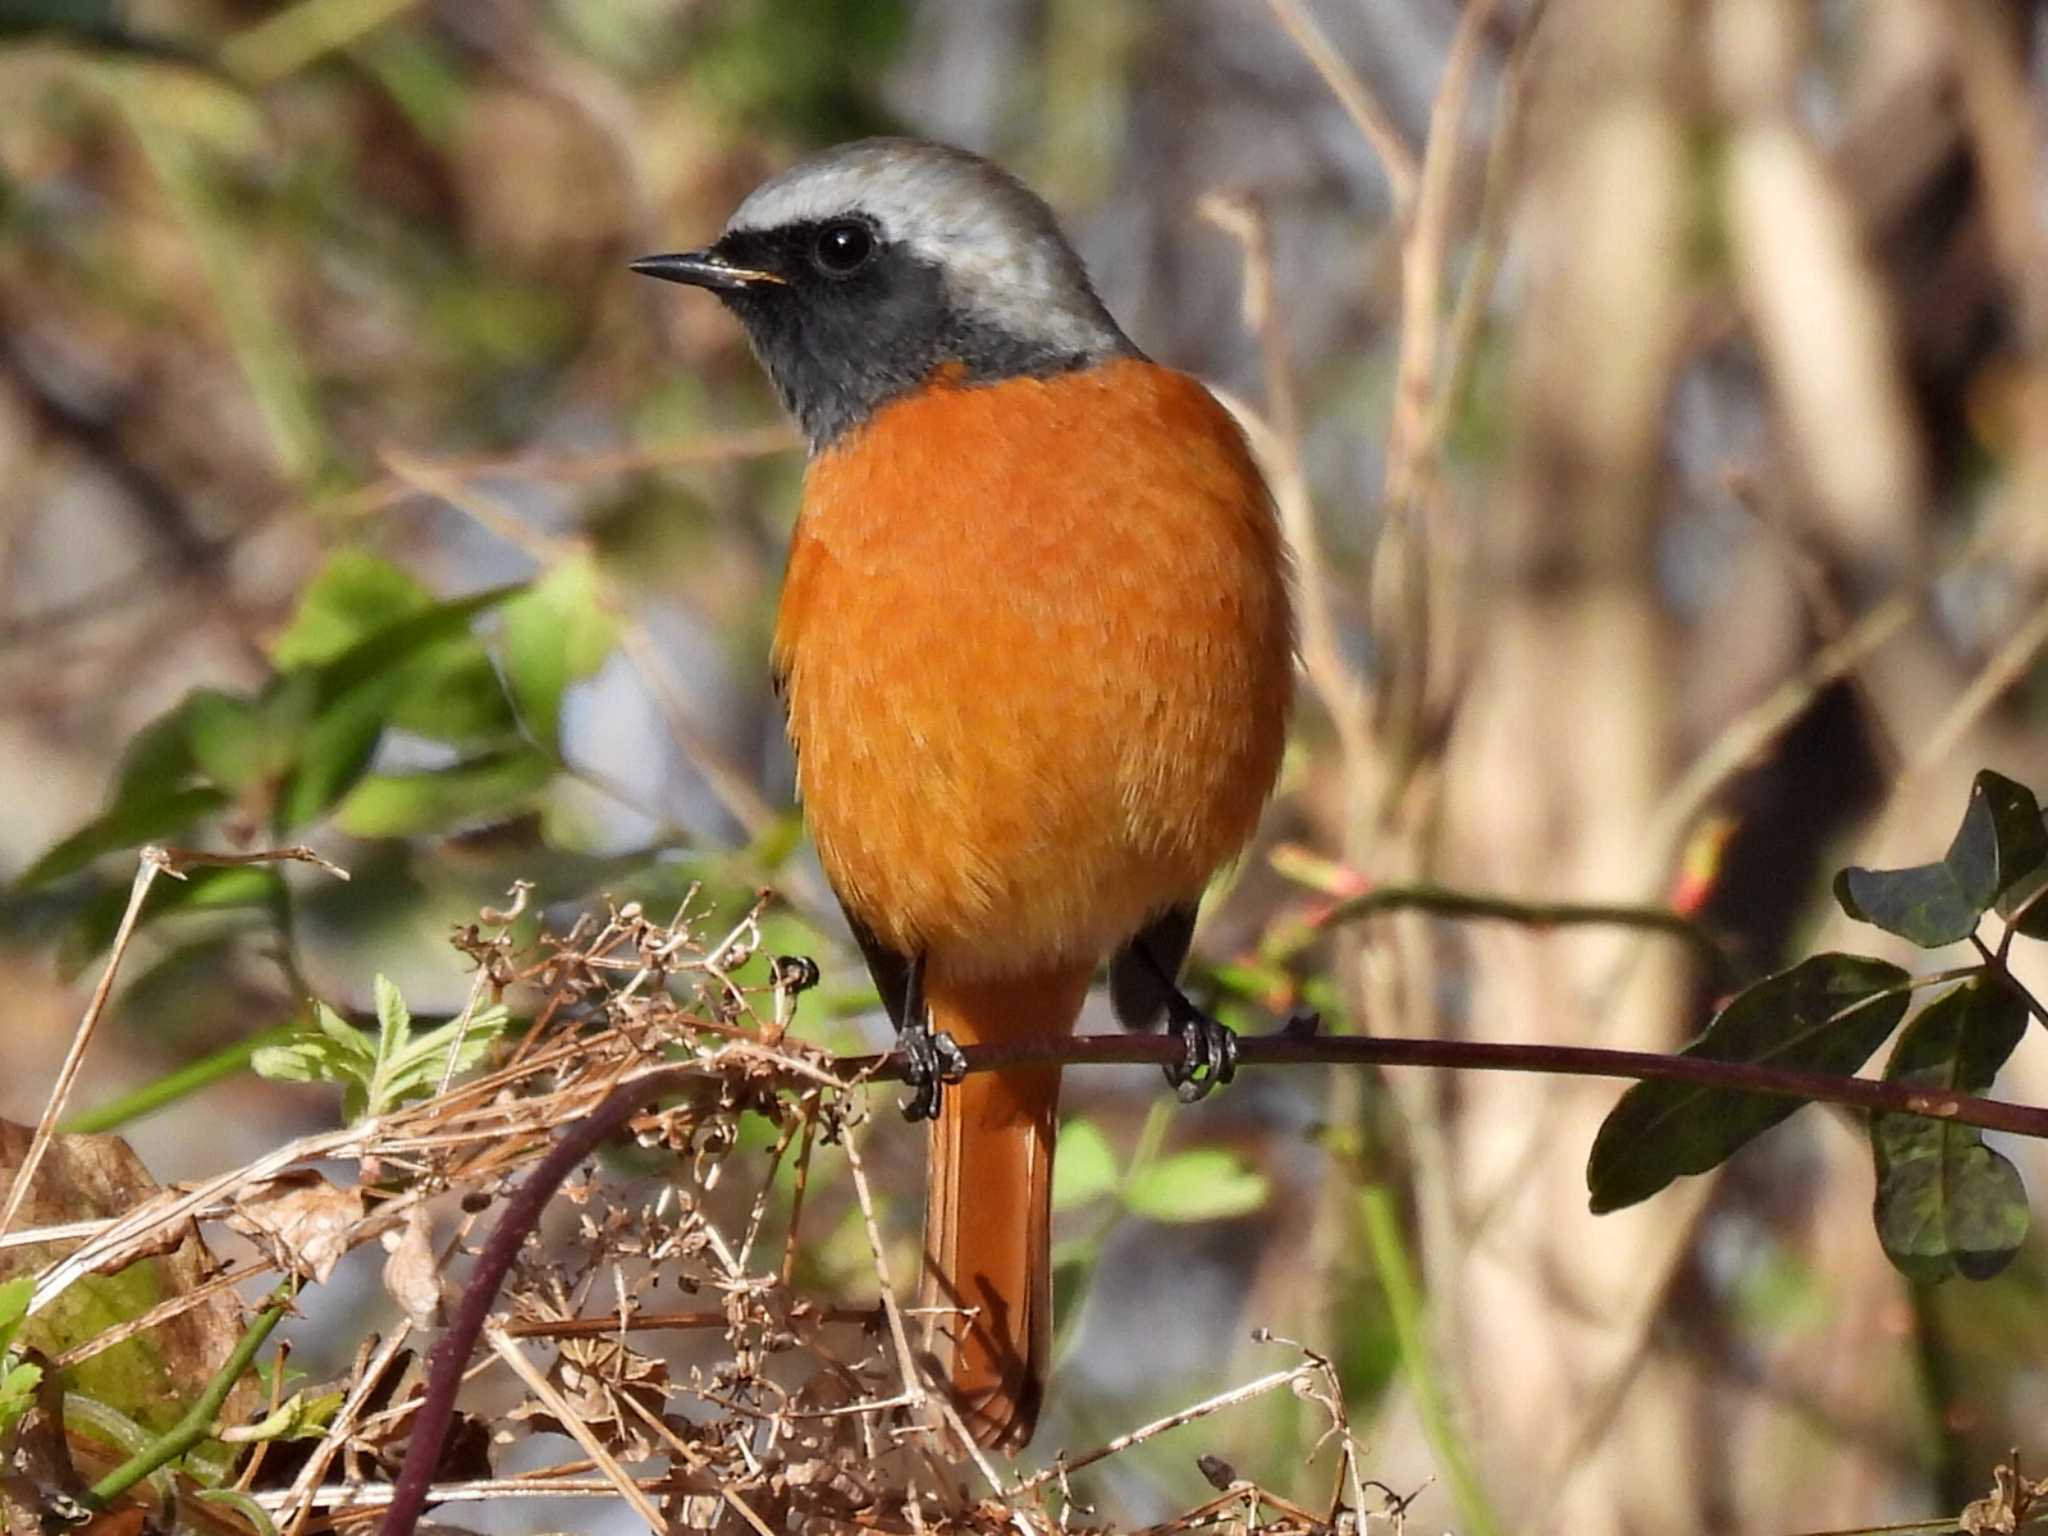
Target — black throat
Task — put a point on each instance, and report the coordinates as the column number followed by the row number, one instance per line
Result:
column 840, row 349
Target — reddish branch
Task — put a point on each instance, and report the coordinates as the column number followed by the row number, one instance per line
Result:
column 523, row 1209
column 1302, row 1050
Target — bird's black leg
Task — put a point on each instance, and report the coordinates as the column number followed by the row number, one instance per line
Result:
column 1208, row 1046
column 931, row 1058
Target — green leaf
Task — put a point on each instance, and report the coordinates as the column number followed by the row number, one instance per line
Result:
column 1826, row 1014
column 14, row 1296
column 402, row 804
column 448, row 691
column 333, row 755
column 452, row 693
column 327, row 1048
column 242, row 743
column 158, row 757
column 1946, row 1203
column 354, row 595
column 354, row 695
column 146, row 816
column 369, row 663
column 557, row 634
column 2001, row 843
column 300, row 1061
column 1201, row 1184
column 1085, row 1168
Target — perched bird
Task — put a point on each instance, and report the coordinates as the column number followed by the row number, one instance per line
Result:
column 1036, row 649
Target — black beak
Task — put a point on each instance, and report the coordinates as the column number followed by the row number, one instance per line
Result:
column 704, row 269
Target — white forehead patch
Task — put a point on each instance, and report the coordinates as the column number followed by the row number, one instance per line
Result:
column 1002, row 253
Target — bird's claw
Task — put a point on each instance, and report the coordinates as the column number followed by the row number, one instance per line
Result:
column 931, row 1059
column 1208, row 1053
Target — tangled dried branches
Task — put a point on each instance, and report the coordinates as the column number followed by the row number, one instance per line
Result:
column 662, row 1325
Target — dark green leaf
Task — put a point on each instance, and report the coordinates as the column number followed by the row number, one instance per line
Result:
column 1946, row 1203
column 441, row 799
column 447, row 689
column 369, row 663
column 157, row 758
column 1826, row 1014
column 203, row 890
column 353, row 699
column 334, row 754
column 142, row 816
column 452, row 693
column 1999, row 845
column 242, row 743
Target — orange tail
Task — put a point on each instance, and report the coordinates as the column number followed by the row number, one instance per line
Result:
column 988, row 1208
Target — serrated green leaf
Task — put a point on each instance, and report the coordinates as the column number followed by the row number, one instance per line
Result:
column 352, row 1042
column 404, row 804
column 1947, row 1204
column 417, row 1069
column 556, row 634
column 394, row 1019
column 400, row 1063
column 1201, row 1184
column 302, row 1061
column 2000, row 844
column 1826, row 1014
column 1084, row 1168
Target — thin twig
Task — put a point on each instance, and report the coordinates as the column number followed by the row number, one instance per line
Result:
column 1230, row 1399
column 1365, row 110
column 1276, row 437
column 150, row 862
column 1411, row 433
column 299, row 1499
column 182, row 859
column 1443, row 901
column 573, row 1425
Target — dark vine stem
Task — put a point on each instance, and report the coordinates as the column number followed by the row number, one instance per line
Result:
column 1295, row 1048
column 520, row 1216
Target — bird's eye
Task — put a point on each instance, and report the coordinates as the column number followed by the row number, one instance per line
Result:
column 843, row 248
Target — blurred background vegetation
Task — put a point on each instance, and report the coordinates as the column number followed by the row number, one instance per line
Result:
column 1666, row 452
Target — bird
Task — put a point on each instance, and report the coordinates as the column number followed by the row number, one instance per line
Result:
column 1035, row 647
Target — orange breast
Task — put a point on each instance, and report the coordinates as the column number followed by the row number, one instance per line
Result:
column 1038, row 658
